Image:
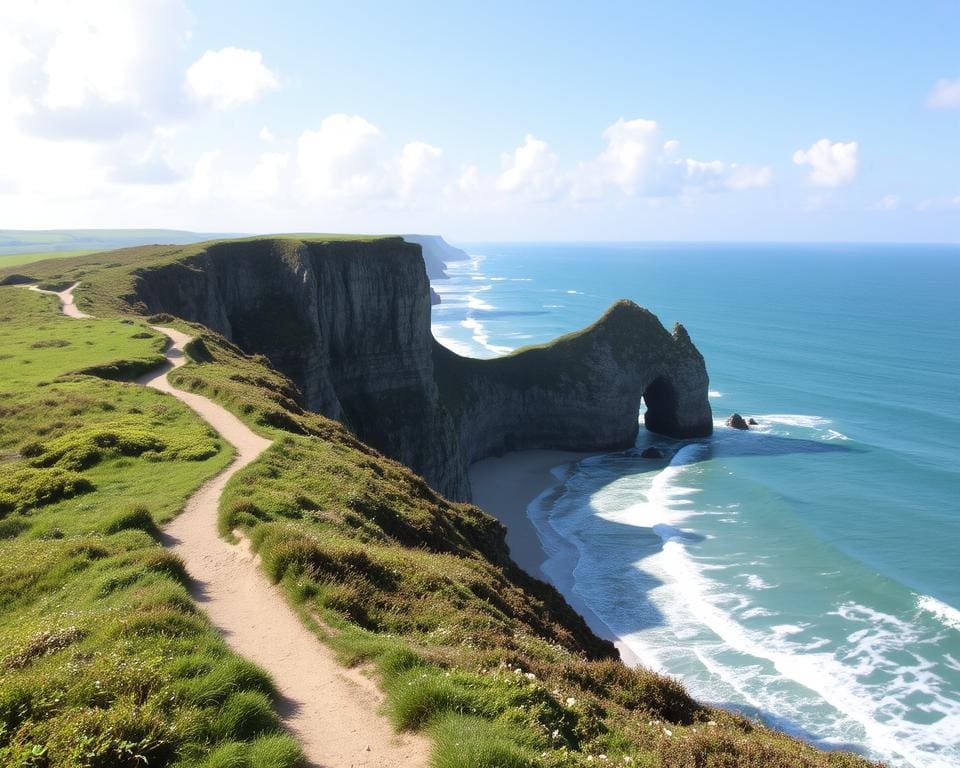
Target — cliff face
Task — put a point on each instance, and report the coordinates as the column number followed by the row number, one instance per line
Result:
column 349, row 322
column 581, row 392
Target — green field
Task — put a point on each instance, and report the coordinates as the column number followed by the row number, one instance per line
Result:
column 16, row 259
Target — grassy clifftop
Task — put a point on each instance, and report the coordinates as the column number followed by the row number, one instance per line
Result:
column 101, row 646
column 104, row 659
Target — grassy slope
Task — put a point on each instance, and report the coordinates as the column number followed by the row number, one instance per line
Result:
column 19, row 259
column 104, row 659
column 493, row 663
column 487, row 659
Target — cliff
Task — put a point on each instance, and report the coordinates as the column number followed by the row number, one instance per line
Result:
column 349, row 323
column 436, row 253
column 582, row 391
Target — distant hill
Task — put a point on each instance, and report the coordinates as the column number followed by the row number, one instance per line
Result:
column 16, row 241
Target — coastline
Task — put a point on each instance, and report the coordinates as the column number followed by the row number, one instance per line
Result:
column 505, row 487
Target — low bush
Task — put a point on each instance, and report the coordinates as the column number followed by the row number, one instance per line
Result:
column 28, row 488
column 136, row 517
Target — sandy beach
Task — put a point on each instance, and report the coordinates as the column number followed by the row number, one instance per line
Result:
column 504, row 487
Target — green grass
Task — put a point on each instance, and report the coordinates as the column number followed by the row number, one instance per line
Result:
column 492, row 664
column 489, row 662
column 104, row 658
column 18, row 259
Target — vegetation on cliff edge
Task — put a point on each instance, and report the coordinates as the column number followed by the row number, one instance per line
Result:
column 492, row 663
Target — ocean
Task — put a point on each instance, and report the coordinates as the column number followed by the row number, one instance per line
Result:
column 807, row 572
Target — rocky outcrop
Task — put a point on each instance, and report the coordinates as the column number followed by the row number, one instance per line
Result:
column 736, row 421
column 581, row 392
column 349, row 323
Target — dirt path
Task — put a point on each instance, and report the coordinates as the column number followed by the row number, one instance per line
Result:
column 66, row 301
column 332, row 711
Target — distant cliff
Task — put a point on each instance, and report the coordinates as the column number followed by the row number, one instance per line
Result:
column 436, row 253
column 349, row 322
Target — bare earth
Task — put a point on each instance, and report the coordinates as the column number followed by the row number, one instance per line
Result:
column 332, row 711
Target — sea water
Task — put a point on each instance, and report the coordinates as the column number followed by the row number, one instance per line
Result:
column 806, row 572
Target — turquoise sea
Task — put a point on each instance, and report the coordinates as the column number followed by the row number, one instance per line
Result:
column 807, row 572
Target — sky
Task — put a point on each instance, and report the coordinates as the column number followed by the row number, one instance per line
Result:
column 687, row 121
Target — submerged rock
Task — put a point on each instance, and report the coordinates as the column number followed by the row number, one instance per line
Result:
column 752, row 422
column 651, row 453
column 737, row 422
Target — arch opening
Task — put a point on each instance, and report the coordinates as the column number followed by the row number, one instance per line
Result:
column 660, row 398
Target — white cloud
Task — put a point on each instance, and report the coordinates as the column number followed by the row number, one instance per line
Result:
column 530, row 171
column 92, row 70
column 888, row 203
column 939, row 203
column 341, row 160
column 749, row 177
column 945, row 95
column 267, row 178
column 266, row 135
column 632, row 158
column 419, row 168
column 469, row 181
column 833, row 164
column 229, row 78
column 638, row 163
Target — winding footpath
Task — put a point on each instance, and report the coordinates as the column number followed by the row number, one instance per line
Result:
column 333, row 712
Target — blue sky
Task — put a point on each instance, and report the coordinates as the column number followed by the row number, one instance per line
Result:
column 617, row 121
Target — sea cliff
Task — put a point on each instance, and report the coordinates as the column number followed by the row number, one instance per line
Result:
column 349, row 323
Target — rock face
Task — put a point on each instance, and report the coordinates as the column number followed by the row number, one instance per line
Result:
column 580, row 392
column 737, row 422
column 349, row 323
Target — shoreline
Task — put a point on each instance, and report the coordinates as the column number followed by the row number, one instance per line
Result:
column 505, row 487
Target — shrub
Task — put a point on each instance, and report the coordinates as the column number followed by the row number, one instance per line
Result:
column 82, row 448
column 49, row 344
column 136, row 518
column 28, row 488
column 11, row 528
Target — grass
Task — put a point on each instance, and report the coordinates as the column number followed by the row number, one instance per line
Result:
column 492, row 664
column 19, row 259
column 489, row 662
column 104, row 658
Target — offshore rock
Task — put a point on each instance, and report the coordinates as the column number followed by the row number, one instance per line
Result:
column 349, row 322
column 737, row 422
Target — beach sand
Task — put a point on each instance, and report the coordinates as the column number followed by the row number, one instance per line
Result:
column 504, row 487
